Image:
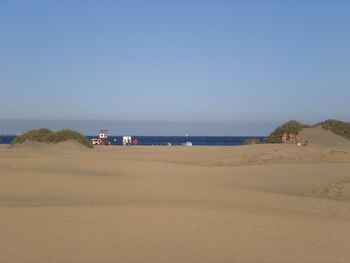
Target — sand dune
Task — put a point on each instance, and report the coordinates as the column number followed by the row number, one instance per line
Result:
column 319, row 136
column 66, row 146
column 259, row 203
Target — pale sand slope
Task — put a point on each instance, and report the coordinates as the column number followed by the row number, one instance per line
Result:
column 319, row 136
column 261, row 203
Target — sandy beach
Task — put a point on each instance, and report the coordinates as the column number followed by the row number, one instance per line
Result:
column 174, row 131
column 259, row 203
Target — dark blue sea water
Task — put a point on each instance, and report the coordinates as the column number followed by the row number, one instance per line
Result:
column 174, row 140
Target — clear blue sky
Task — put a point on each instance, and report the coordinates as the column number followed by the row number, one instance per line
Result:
column 186, row 61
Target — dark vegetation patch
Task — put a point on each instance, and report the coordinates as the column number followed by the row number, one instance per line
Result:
column 48, row 136
column 288, row 127
column 251, row 141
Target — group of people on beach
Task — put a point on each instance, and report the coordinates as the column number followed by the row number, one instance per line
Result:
column 293, row 138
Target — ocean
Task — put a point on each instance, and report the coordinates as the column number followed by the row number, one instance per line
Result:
column 173, row 140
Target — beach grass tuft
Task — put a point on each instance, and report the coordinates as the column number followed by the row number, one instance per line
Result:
column 251, row 141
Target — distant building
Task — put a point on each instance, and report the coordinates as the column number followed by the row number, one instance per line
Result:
column 103, row 136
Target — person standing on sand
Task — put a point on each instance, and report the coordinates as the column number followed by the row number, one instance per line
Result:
column 284, row 137
column 291, row 138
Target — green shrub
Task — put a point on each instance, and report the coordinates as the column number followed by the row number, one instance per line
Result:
column 251, row 141
column 40, row 135
column 48, row 136
column 289, row 127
